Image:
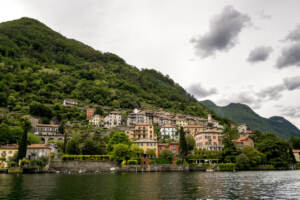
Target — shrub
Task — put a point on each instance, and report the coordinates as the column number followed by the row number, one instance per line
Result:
column 24, row 163
column 227, row 166
column 132, row 162
column 298, row 165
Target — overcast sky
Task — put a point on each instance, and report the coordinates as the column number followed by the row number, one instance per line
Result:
column 245, row 51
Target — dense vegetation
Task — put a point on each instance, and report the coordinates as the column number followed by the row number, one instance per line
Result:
column 241, row 113
column 39, row 68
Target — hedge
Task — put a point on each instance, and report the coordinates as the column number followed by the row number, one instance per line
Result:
column 86, row 157
column 132, row 162
column 298, row 165
column 227, row 166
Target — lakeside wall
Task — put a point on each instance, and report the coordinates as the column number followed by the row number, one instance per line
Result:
column 108, row 166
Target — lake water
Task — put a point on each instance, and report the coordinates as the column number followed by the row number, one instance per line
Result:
column 173, row 185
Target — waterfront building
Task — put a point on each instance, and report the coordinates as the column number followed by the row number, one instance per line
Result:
column 209, row 139
column 146, row 144
column 296, row 153
column 7, row 152
column 173, row 147
column 48, row 132
column 37, row 151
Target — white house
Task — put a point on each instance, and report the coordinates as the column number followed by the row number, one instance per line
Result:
column 169, row 131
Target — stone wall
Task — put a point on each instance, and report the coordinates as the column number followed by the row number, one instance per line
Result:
column 82, row 166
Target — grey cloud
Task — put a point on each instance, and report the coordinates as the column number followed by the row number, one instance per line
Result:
column 263, row 15
column 292, row 83
column 223, row 33
column 200, row 92
column 289, row 56
column 289, row 111
column 272, row 92
column 259, row 54
column 294, row 35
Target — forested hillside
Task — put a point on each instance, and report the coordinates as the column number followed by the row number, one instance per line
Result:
column 39, row 68
column 241, row 113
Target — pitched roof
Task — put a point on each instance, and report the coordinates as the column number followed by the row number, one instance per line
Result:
column 48, row 125
column 38, row 146
column 242, row 139
column 9, row 146
column 296, row 150
column 144, row 140
column 168, row 126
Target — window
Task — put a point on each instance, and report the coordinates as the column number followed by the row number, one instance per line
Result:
column 214, row 137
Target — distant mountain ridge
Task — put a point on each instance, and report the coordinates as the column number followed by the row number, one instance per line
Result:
column 241, row 113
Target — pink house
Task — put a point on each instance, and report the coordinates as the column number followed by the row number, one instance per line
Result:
column 209, row 139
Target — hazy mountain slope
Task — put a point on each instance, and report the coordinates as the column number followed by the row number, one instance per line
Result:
column 241, row 113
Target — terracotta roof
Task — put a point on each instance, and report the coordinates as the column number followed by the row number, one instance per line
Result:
column 48, row 125
column 194, row 126
column 144, row 140
column 38, row 146
column 142, row 124
column 169, row 125
column 9, row 146
column 296, row 150
column 241, row 139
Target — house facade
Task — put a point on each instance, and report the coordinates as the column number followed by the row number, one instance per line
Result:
column 48, row 132
column 37, row 151
column 90, row 113
column 113, row 119
column 209, row 139
column 296, row 153
column 141, row 131
column 169, row 131
column 146, row 144
column 70, row 102
column 96, row 121
column 193, row 129
column 173, row 147
column 7, row 152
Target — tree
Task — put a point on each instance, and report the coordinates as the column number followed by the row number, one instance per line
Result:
column 26, row 125
column 121, row 152
column 151, row 153
column 136, row 151
column 295, row 142
column 255, row 157
column 117, row 138
column 167, row 155
column 183, row 149
column 73, row 145
column 190, row 141
column 34, row 139
column 230, row 151
column 242, row 162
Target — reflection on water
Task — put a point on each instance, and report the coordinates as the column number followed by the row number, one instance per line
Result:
column 193, row 185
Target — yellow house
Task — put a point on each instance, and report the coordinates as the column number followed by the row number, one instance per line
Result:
column 6, row 153
column 146, row 144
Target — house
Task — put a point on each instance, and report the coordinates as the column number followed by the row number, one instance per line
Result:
column 296, row 153
column 173, row 147
column 141, row 131
column 7, row 152
column 113, row 119
column 146, row 144
column 193, row 129
column 96, row 121
column 37, row 151
column 69, row 102
column 243, row 141
column 244, row 130
column 209, row 139
column 137, row 117
column 181, row 122
column 169, row 131
column 48, row 132
column 90, row 113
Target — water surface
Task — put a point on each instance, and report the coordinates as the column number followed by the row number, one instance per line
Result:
column 173, row 185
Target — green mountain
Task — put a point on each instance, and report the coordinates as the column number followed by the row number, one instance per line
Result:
column 40, row 67
column 241, row 113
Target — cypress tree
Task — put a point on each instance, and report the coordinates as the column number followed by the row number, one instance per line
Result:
column 26, row 125
column 183, row 149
